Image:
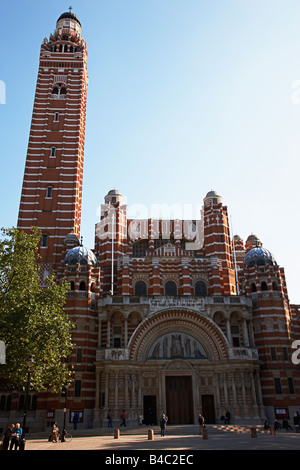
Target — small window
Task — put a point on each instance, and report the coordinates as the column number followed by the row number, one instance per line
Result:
column 285, row 354
column 170, row 288
column 278, row 389
column 56, row 115
column 253, row 287
column 200, row 288
column 44, row 241
column 291, row 386
column 82, row 285
column 264, row 286
column 79, row 355
column 49, row 192
column 77, row 389
column 140, row 288
column 273, row 354
column 52, row 154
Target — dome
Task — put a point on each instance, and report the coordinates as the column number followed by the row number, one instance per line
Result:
column 71, row 239
column 253, row 242
column 70, row 16
column 212, row 197
column 113, row 197
column 80, row 255
column 259, row 257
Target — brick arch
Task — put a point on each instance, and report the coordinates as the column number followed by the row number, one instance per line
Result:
column 185, row 321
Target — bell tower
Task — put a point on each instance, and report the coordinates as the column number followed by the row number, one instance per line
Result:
column 52, row 185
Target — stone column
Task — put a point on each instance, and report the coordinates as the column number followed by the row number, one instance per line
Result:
column 228, row 331
column 245, row 333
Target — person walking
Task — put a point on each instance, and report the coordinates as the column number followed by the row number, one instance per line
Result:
column 7, row 436
column 123, row 419
column 55, row 433
column 201, row 423
column 163, row 424
column 16, row 437
column 109, row 419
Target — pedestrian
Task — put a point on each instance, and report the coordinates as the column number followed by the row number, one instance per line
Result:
column 201, row 423
column 16, row 437
column 109, row 419
column 123, row 416
column 163, row 424
column 277, row 425
column 55, row 432
column 7, row 436
column 227, row 417
column 266, row 425
column 286, row 425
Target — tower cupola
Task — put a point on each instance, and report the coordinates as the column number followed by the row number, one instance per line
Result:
column 68, row 23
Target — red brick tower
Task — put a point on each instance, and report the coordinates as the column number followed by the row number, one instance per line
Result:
column 52, row 186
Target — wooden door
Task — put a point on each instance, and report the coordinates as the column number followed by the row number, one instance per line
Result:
column 208, row 409
column 179, row 400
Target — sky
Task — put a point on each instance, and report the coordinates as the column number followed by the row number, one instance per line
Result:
column 184, row 96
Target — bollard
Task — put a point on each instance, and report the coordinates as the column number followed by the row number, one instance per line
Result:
column 272, row 430
column 204, row 434
column 253, row 432
column 150, row 435
column 117, row 433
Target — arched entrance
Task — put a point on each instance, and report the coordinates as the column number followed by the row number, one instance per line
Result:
column 177, row 349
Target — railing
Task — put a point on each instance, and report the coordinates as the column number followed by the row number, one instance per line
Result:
column 175, row 301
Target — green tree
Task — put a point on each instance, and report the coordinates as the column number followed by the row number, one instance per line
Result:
column 32, row 319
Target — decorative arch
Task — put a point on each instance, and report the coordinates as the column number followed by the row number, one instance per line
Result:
column 182, row 321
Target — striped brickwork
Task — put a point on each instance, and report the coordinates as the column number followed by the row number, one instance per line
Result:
column 52, row 186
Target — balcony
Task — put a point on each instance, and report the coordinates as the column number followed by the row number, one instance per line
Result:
column 158, row 302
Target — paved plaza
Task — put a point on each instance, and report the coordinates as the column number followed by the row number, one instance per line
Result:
column 178, row 438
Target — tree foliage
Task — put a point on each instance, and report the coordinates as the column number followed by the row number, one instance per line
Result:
column 32, row 319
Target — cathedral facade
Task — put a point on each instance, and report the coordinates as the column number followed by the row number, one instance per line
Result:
column 172, row 316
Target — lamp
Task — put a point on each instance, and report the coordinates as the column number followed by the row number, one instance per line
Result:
column 30, row 362
column 65, row 412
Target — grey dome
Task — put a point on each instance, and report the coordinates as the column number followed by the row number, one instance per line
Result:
column 70, row 16
column 80, row 255
column 212, row 197
column 259, row 257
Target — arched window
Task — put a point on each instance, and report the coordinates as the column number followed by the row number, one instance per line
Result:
column 59, row 91
column 253, row 287
column 140, row 288
column 264, row 286
column 200, row 288
column 82, row 285
column 170, row 288
column 72, row 285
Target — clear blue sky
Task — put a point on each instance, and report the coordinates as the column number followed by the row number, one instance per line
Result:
column 184, row 96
